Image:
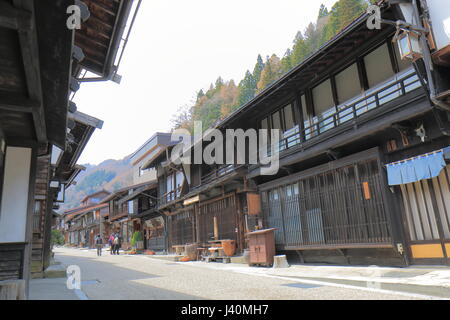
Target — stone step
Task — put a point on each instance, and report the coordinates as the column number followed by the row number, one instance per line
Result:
column 239, row 259
column 55, row 271
column 37, row 275
column 36, row 266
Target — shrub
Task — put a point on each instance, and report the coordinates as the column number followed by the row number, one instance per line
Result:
column 57, row 238
column 137, row 236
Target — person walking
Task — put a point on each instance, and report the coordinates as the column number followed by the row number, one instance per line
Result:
column 111, row 243
column 116, row 244
column 99, row 244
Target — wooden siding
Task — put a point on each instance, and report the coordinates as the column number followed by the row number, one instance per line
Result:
column 181, row 227
column 224, row 210
column 39, row 245
column 329, row 209
column 11, row 261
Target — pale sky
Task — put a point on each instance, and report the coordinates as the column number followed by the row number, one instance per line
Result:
column 178, row 47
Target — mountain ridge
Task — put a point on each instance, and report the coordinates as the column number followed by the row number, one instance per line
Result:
column 110, row 175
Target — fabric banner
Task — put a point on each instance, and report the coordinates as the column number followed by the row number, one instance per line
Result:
column 415, row 169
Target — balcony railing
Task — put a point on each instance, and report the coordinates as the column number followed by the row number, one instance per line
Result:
column 170, row 196
column 397, row 86
column 219, row 172
column 118, row 213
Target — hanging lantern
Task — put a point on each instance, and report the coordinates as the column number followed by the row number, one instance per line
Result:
column 409, row 46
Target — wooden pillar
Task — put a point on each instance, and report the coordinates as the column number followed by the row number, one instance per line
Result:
column 197, row 222
column 216, row 229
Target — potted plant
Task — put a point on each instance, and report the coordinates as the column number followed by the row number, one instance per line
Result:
column 137, row 240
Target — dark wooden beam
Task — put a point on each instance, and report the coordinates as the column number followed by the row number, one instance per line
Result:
column 13, row 18
column 30, row 54
column 17, row 103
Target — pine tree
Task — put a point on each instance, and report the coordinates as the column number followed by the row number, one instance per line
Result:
column 246, row 89
column 219, row 83
column 299, row 52
column 258, row 69
column 286, row 62
column 200, row 94
column 342, row 13
column 323, row 11
column 270, row 73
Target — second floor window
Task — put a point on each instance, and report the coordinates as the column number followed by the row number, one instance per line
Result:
column 347, row 83
column 170, row 186
column 179, row 182
column 378, row 65
column 131, row 207
column 283, row 120
column 325, row 105
column 143, row 171
column 174, row 184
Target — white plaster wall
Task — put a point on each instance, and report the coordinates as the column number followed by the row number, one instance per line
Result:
column 148, row 176
column 14, row 204
column 440, row 18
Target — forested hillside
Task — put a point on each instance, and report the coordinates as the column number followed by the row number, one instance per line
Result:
column 109, row 175
column 225, row 96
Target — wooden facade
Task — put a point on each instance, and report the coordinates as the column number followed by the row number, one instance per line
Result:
column 41, row 133
column 33, row 114
column 84, row 223
column 345, row 113
column 330, row 200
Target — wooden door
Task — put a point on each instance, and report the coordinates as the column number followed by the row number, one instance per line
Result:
column 427, row 218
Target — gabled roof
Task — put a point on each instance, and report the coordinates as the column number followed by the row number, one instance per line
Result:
column 73, row 213
column 123, row 192
column 158, row 139
column 94, row 194
column 85, row 125
column 101, row 34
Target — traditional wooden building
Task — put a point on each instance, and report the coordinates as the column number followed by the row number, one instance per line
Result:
column 55, row 173
column 40, row 66
column 354, row 117
column 201, row 202
column 126, row 207
column 153, row 221
column 85, row 222
column 363, row 175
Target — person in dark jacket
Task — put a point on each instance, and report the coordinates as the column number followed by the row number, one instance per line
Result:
column 116, row 244
column 99, row 244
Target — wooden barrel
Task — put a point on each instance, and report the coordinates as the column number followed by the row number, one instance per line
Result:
column 229, row 247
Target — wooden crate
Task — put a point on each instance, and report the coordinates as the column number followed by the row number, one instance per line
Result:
column 262, row 247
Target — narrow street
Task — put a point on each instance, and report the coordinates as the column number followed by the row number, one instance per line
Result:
column 142, row 277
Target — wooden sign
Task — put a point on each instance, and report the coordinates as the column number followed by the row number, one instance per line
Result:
column 253, row 203
column 366, row 190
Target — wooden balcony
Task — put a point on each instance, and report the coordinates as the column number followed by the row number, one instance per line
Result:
column 170, row 196
column 115, row 214
column 394, row 88
column 218, row 173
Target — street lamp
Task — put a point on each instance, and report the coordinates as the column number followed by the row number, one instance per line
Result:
column 409, row 45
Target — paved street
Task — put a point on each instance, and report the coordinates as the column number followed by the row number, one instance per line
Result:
column 142, row 277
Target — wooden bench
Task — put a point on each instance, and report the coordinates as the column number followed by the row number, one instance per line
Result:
column 202, row 253
column 179, row 249
column 216, row 253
